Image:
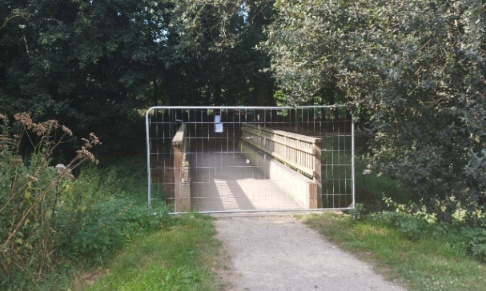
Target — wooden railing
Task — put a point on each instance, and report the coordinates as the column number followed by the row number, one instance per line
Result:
column 300, row 152
column 182, row 178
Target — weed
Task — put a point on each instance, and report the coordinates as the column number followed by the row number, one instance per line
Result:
column 52, row 224
column 476, row 242
column 358, row 211
column 411, row 227
column 29, row 195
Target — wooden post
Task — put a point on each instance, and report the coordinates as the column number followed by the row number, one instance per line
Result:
column 318, row 173
column 177, row 177
column 182, row 191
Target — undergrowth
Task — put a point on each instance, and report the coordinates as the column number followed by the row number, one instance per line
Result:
column 182, row 257
column 53, row 224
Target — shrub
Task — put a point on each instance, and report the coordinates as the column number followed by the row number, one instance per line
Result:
column 414, row 71
column 96, row 216
column 476, row 242
column 29, row 195
column 410, row 226
column 48, row 219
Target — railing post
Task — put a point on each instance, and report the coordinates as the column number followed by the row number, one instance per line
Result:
column 317, row 176
column 182, row 191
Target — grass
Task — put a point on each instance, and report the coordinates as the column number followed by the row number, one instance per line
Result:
column 183, row 254
column 436, row 260
column 115, row 244
column 179, row 258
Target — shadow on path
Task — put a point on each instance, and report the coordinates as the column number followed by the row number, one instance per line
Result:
column 222, row 181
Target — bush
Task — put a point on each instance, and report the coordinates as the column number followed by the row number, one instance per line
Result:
column 414, row 71
column 411, row 227
column 29, row 190
column 476, row 242
column 96, row 216
column 48, row 219
column 414, row 225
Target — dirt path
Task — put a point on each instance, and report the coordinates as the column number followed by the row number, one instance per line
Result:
column 281, row 253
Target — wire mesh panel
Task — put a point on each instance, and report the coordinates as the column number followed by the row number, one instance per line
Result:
column 230, row 159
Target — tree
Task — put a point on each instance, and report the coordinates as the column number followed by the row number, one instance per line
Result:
column 417, row 66
column 304, row 43
column 88, row 63
column 215, row 61
column 92, row 64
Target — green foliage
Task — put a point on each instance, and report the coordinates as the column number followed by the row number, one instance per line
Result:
column 371, row 188
column 29, row 195
column 182, row 257
column 95, row 63
column 97, row 216
column 415, row 223
column 476, row 242
column 171, row 279
column 358, row 212
column 416, row 68
column 49, row 219
column 216, row 63
column 409, row 226
column 84, row 63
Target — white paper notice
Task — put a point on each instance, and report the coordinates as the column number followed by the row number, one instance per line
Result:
column 218, row 126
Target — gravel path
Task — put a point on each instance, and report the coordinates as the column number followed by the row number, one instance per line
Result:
column 281, row 253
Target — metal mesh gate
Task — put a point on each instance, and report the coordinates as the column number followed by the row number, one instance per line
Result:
column 235, row 159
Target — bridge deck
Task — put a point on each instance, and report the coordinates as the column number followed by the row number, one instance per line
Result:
column 223, row 181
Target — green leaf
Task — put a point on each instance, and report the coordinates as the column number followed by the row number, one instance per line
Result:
column 27, row 194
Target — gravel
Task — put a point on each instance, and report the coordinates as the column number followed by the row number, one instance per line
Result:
column 281, row 253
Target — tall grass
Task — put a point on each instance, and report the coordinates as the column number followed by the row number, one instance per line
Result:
column 52, row 223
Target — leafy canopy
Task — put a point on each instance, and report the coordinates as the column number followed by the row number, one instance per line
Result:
column 417, row 68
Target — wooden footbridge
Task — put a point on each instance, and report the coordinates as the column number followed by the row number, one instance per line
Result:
column 242, row 167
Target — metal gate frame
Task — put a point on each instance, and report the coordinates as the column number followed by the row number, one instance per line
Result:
column 149, row 138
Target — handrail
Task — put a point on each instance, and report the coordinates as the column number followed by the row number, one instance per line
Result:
column 179, row 136
column 298, row 151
